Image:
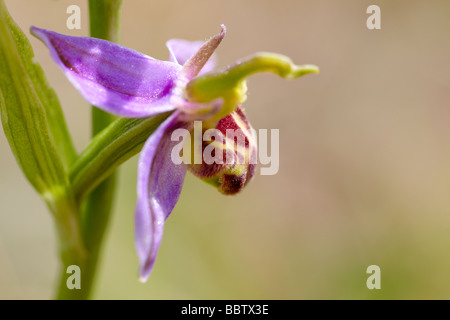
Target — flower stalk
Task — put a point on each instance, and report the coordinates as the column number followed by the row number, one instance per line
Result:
column 104, row 20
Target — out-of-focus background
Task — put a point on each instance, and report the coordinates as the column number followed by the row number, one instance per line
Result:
column 364, row 172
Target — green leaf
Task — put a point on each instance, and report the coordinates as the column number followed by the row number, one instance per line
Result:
column 31, row 115
column 118, row 142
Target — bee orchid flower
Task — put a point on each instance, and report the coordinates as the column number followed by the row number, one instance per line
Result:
column 130, row 84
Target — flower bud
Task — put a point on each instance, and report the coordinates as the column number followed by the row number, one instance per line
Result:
column 228, row 154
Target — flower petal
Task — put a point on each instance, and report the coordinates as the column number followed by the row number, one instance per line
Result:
column 114, row 78
column 181, row 50
column 194, row 65
column 159, row 185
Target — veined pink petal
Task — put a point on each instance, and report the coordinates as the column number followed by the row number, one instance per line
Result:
column 197, row 60
column 159, row 185
column 181, row 50
column 113, row 78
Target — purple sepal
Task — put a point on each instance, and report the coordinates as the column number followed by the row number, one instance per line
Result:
column 159, row 185
column 114, row 78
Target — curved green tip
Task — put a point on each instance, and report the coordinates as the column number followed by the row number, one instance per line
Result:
column 219, row 84
column 299, row 71
column 229, row 83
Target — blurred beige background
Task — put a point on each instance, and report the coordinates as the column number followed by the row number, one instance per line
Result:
column 364, row 160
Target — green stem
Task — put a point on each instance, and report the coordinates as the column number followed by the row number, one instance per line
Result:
column 72, row 250
column 104, row 18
